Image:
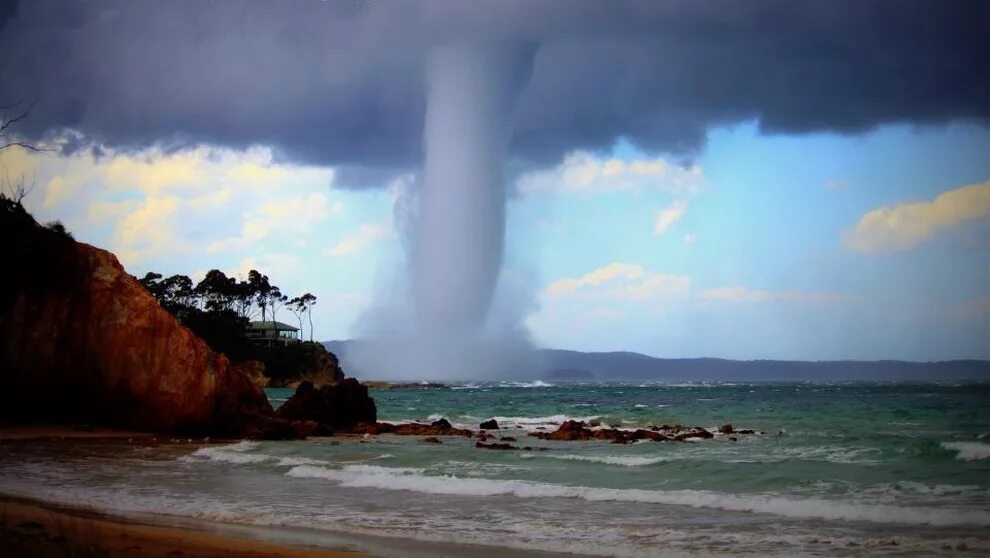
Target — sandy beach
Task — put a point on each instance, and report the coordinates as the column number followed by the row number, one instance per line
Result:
column 30, row 529
column 33, row 529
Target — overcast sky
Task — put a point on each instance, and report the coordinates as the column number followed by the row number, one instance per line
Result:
column 743, row 180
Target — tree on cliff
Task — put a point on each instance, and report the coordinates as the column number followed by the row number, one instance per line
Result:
column 262, row 290
column 152, row 282
column 303, row 305
column 297, row 309
column 218, row 291
column 308, row 300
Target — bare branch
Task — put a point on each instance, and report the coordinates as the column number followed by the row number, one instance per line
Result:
column 27, row 146
column 8, row 107
column 15, row 190
column 7, row 123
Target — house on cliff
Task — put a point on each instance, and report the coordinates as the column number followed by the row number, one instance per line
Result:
column 272, row 333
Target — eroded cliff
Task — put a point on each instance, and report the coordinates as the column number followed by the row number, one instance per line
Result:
column 82, row 341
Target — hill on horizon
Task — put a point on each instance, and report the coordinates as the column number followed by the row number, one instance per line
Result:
column 569, row 365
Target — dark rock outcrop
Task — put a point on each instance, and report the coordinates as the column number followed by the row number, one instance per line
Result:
column 489, row 424
column 442, row 423
column 338, row 406
column 294, row 364
column 432, row 440
column 438, row 428
column 82, row 341
column 495, row 446
column 578, row 430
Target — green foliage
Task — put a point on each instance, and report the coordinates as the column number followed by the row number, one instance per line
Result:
column 58, row 228
column 219, row 308
column 39, row 258
column 223, row 331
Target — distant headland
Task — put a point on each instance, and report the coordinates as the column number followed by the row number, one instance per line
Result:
column 565, row 365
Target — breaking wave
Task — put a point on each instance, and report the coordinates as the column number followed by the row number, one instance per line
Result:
column 969, row 451
column 368, row 476
column 621, row 460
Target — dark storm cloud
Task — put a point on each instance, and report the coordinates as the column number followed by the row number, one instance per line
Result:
column 342, row 82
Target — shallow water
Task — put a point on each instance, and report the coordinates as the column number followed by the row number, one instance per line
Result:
column 841, row 468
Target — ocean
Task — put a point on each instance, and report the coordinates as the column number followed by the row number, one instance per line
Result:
column 839, row 469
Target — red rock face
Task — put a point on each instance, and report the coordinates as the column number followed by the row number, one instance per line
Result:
column 438, row 428
column 577, row 430
column 97, row 347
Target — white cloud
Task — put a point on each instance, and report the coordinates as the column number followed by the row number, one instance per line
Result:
column 584, row 172
column 901, row 227
column 293, row 215
column 366, row 235
column 837, row 184
column 279, row 267
column 742, row 294
column 147, row 229
column 614, row 270
column 669, row 215
column 144, row 196
column 212, row 200
column 621, row 281
column 614, row 294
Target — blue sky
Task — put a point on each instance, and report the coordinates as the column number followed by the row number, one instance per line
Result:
column 817, row 246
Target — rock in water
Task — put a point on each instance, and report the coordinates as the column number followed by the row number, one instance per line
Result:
column 81, row 341
column 489, row 424
column 339, row 406
column 495, row 446
column 442, row 424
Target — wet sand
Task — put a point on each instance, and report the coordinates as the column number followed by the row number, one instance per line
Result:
column 29, row 529
column 62, row 431
column 32, row 529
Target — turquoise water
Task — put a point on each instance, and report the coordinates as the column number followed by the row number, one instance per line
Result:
column 840, row 469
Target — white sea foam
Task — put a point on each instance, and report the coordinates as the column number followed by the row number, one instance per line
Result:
column 367, row 476
column 848, row 456
column 534, row 384
column 232, row 453
column 244, row 445
column 969, row 451
column 293, row 461
column 621, row 460
column 530, row 423
column 237, row 454
column 466, row 386
column 489, row 525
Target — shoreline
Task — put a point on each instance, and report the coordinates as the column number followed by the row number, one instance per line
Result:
column 34, row 528
column 43, row 529
column 37, row 432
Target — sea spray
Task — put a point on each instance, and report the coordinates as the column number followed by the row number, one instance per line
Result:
column 457, row 229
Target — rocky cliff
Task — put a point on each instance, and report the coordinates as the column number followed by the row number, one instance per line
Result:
column 82, row 341
column 291, row 365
